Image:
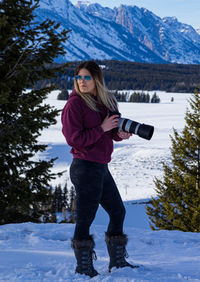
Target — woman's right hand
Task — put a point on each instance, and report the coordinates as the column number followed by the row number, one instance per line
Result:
column 110, row 122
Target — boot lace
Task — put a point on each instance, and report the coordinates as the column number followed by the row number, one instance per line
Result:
column 121, row 254
column 87, row 260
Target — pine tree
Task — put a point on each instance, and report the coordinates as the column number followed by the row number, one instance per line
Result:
column 27, row 48
column 155, row 98
column 72, row 205
column 57, row 199
column 47, row 207
column 63, row 95
column 178, row 204
column 65, row 200
column 147, row 98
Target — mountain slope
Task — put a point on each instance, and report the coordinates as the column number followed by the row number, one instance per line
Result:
column 127, row 33
column 171, row 40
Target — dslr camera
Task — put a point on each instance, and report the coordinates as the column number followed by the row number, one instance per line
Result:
column 142, row 130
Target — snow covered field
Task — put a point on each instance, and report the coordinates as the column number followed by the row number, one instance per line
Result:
column 42, row 252
column 135, row 162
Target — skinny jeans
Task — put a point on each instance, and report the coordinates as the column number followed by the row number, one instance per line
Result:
column 94, row 185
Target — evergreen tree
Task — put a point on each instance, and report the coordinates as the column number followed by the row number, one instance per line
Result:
column 155, row 98
column 58, row 199
column 47, row 207
column 65, row 197
column 27, row 48
column 72, row 205
column 131, row 98
column 63, row 95
column 178, row 204
column 147, row 98
column 123, row 97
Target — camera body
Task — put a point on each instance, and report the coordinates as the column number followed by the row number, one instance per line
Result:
column 142, row 130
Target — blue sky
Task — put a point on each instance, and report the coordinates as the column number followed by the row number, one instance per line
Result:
column 186, row 11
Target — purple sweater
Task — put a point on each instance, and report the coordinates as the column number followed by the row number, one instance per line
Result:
column 83, row 132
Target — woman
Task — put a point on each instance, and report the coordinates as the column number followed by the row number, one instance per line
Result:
column 90, row 131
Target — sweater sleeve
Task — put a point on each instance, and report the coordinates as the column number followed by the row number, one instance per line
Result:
column 75, row 133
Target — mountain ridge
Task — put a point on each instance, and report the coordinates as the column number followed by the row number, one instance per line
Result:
column 126, row 33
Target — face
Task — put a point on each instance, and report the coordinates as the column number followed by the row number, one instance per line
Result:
column 86, row 86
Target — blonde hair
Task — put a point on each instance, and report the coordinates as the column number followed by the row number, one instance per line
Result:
column 103, row 95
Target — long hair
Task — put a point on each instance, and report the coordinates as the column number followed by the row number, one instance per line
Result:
column 103, row 95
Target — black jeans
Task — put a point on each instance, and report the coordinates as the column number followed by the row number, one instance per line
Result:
column 94, row 185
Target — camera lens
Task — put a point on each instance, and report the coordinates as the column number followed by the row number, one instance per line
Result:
column 142, row 130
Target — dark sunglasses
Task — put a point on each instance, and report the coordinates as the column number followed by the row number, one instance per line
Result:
column 85, row 77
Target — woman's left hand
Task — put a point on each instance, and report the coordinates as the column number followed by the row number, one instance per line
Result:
column 124, row 135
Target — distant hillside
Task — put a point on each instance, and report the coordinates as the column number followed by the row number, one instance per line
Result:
column 143, row 76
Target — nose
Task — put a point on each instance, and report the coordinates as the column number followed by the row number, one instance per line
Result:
column 82, row 81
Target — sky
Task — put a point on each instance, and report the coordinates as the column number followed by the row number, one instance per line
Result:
column 186, row 11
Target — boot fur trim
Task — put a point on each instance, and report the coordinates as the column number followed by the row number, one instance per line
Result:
column 117, row 239
column 81, row 244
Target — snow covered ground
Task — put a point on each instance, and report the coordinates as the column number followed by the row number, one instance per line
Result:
column 42, row 252
column 135, row 162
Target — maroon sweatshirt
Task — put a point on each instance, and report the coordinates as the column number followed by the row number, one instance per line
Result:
column 83, row 132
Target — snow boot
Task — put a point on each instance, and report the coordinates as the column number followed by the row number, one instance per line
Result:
column 117, row 251
column 84, row 253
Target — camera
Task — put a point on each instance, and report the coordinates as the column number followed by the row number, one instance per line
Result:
column 142, row 130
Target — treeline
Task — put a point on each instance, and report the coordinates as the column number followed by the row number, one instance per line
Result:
column 60, row 200
column 138, row 76
column 136, row 97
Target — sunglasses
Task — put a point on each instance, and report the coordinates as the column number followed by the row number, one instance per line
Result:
column 85, row 77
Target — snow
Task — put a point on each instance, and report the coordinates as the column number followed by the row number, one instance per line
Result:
column 87, row 3
column 123, row 33
column 42, row 252
column 136, row 159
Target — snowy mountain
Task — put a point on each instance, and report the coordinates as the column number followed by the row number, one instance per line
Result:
column 123, row 33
